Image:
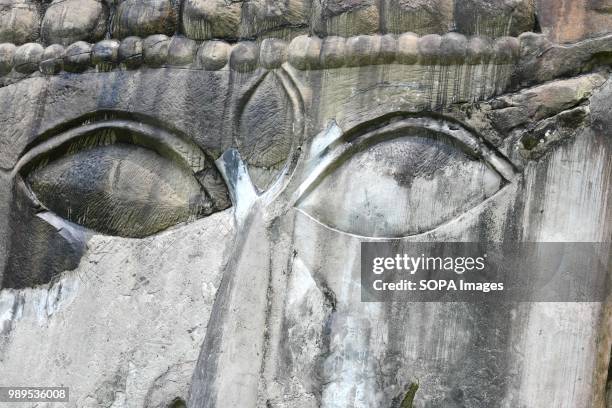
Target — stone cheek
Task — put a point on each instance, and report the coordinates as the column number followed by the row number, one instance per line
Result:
column 494, row 18
column 143, row 18
column 19, row 21
column 68, row 21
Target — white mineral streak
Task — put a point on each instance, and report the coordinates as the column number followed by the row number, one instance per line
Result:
column 242, row 190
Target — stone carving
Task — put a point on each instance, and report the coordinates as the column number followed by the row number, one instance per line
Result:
column 142, row 18
column 185, row 186
column 68, row 21
column 303, row 52
column 19, row 21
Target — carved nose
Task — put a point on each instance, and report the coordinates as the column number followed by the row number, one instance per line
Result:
column 228, row 369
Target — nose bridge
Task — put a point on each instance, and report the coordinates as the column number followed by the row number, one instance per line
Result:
column 228, row 369
column 232, row 359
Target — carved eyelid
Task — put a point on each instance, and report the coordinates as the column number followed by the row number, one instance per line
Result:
column 159, row 179
column 154, row 138
column 330, row 151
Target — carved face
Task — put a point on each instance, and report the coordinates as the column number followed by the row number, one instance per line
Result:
column 183, row 202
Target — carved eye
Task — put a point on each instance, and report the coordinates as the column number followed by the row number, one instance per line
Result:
column 123, row 178
column 406, row 178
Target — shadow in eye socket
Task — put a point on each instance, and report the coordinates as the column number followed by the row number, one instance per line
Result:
column 406, row 182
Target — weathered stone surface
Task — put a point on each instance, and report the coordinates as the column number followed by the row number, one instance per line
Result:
column 506, row 49
column 155, row 50
column 552, row 131
column 442, row 137
column 407, row 48
column 419, row 16
column 178, row 191
column 544, row 101
column 77, row 57
column 144, row 17
column 273, row 53
column 7, row 52
column 333, row 52
column 52, row 59
column 27, row 57
column 542, row 61
column 453, row 49
column 572, row 20
column 479, row 50
column 206, row 19
column 388, row 49
column 345, row 18
column 304, row 52
column 284, row 19
column 130, row 52
column 214, row 55
column 374, row 49
column 69, row 21
column 19, row 21
column 265, row 133
column 495, row 18
column 362, row 49
column 429, row 48
column 244, row 56
column 371, row 49
column 105, row 54
column 161, row 345
column 181, row 51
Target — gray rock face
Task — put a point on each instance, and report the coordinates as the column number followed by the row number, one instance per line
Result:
column 208, row 19
column 142, row 18
column 68, row 21
column 7, row 54
column 185, row 188
column 27, row 57
column 19, row 21
column 143, row 361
